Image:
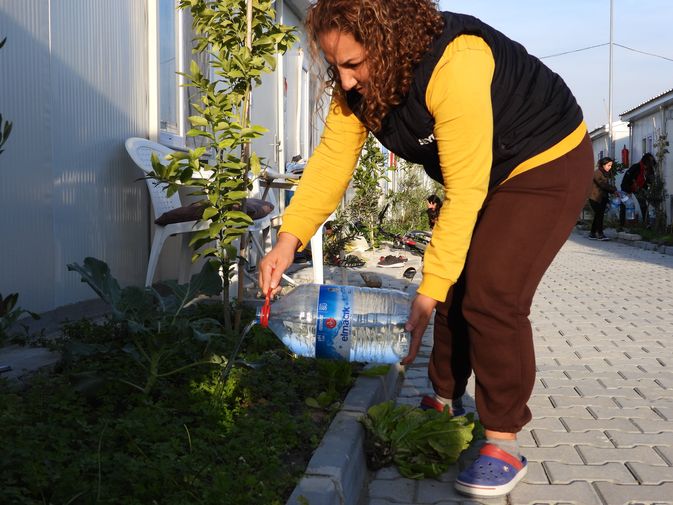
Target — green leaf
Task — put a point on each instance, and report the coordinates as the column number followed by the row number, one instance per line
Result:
column 209, row 213
column 97, row 274
column 312, row 402
column 198, row 121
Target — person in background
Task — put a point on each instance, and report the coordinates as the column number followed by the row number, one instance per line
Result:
column 637, row 178
column 506, row 138
column 434, row 205
column 601, row 187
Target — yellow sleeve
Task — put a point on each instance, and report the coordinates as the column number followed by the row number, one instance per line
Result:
column 459, row 98
column 327, row 173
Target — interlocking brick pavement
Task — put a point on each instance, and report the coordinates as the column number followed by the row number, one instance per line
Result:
column 602, row 428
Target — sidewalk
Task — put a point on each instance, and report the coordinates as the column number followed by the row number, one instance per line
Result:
column 602, row 429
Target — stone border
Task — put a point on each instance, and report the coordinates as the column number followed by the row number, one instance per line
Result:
column 337, row 472
column 632, row 239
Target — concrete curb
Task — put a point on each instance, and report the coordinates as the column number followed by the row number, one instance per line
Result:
column 633, row 240
column 337, row 471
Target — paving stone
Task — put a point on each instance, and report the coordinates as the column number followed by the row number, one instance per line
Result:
column 579, row 493
column 577, row 411
column 618, row 412
column 568, row 401
column 546, row 438
column 638, row 454
column 664, row 411
column 619, row 494
column 600, row 391
column 629, row 403
column 654, row 425
column 651, row 474
column 618, row 424
column 526, row 439
column 622, row 439
column 546, row 423
column 555, row 391
column 562, row 453
column 536, row 473
column 398, row 490
column 562, row 473
column 552, row 382
column 432, row 491
column 666, row 453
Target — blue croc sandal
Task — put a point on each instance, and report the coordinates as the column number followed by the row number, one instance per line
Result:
column 430, row 402
column 494, row 473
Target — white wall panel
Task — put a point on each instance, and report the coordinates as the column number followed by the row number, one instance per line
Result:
column 99, row 99
column 26, row 212
column 75, row 85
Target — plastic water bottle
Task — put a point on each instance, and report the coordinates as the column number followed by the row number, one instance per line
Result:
column 630, row 210
column 342, row 322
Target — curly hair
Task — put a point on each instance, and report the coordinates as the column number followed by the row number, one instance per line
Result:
column 395, row 35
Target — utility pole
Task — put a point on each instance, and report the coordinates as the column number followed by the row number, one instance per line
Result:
column 610, row 145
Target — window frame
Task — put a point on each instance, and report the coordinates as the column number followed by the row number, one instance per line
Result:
column 174, row 136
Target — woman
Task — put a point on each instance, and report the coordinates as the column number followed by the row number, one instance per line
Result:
column 598, row 199
column 637, row 178
column 506, row 139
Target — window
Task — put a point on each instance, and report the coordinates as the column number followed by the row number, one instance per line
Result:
column 171, row 60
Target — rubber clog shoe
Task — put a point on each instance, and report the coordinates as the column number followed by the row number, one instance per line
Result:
column 430, row 402
column 494, row 473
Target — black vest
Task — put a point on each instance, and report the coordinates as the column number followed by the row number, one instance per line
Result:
column 533, row 109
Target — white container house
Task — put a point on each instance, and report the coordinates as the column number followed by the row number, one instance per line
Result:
column 648, row 121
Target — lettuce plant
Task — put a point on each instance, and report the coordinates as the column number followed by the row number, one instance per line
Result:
column 420, row 443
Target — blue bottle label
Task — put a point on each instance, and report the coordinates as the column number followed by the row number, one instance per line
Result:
column 333, row 333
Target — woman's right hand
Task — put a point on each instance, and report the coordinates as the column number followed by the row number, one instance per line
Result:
column 274, row 264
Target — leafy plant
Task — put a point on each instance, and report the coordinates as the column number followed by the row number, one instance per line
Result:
column 420, row 443
column 339, row 232
column 338, row 375
column 241, row 39
column 157, row 326
column 6, row 127
column 656, row 192
column 371, row 170
column 409, row 201
column 10, row 313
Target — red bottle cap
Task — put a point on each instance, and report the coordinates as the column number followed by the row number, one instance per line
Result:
column 266, row 310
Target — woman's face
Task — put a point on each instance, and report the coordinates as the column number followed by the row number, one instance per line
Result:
column 347, row 56
column 608, row 166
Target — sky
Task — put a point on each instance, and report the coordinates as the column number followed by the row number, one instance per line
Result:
column 548, row 27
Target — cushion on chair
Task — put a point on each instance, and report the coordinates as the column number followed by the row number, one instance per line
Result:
column 253, row 207
column 256, row 208
column 184, row 214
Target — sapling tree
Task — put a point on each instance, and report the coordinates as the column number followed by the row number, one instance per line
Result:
column 371, row 170
column 656, row 193
column 241, row 39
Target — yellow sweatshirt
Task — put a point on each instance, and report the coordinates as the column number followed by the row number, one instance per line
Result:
column 459, row 98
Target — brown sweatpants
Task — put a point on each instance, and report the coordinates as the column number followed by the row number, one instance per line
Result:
column 483, row 325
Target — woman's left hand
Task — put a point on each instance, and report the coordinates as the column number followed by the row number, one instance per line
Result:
column 419, row 317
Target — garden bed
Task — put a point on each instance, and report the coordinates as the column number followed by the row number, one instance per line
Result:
column 80, row 433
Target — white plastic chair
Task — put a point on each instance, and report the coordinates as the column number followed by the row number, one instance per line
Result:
column 141, row 151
